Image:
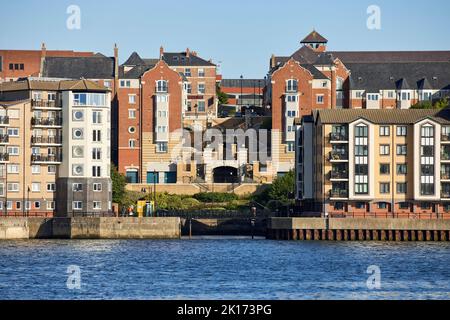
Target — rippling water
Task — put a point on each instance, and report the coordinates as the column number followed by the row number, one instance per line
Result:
column 223, row 269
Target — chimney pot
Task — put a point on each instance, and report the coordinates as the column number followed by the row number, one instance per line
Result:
column 161, row 52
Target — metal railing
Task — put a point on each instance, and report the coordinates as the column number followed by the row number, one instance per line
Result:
column 46, row 158
column 4, row 120
column 338, row 137
column 4, row 157
column 46, row 121
column 338, row 155
column 338, row 175
column 45, row 104
column 4, row 138
column 46, row 140
column 390, row 215
column 341, row 194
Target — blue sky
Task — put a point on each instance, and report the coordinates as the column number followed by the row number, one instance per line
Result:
column 239, row 35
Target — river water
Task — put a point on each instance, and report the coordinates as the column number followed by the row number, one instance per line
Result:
column 223, row 268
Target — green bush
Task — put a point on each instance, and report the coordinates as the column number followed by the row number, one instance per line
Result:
column 215, row 197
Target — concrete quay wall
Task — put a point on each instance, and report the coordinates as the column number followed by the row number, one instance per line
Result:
column 89, row 228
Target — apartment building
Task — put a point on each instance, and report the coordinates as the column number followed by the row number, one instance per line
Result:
column 368, row 162
column 15, row 64
column 55, row 147
column 315, row 78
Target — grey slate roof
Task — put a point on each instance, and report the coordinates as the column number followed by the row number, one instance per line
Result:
column 96, row 67
column 181, row 59
column 134, row 60
column 391, row 56
column 314, row 37
column 373, row 77
column 246, row 83
column 381, row 116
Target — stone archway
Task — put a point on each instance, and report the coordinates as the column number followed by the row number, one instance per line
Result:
column 225, row 175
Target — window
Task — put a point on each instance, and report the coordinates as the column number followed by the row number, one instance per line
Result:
column 77, row 205
column 425, row 206
column 132, row 143
column 96, row 135
column 97, row 187
column 13, row 151
column 162, row 129
column 36, row 187
column 131, row 98
column 291, row 98
column 18, row 205
column 201, row 88
column 385, row 168
column 107, row 83
column 201, row 106
column 78, row 151
column 188, row 88
column 427, row 151
column 51, row 187
column 97, row 154
column 201, row 72
column 13, row 132
column 319, row 99
column 402, row 150
column 402, row 169
column 96, row 117
column 131, row 114
column 161, row 86
column 358, row 94
column 77, row 134
column 77, row 169
column 402, row 131
column 382, row 205
column 187, row 72
column 89, row 99
column 50, row 205
column 402, row 188
column 2, row 189
column 361, row 188
column 385, row 188
column 13, row 187
column 161, row 147
column 132, row 130
column 125, row 83
column 391, row 94
column 290, row 147
column 372, row 97
column 77, row 187
column 360, row 205
column 51, row 96
column 292, row 85
column 51, row 169
column 13, row 168
column 291, row 114
column 96, row 171
column 162, row 114
column 9, row 205
column 385, row 131
column 35, row 169
column 404, row 206
column 97, row 205
column 78, row 115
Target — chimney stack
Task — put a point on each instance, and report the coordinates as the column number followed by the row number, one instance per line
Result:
column 116, row 68
column 161, row 52
column 43, row 55
column 188, row 53
column 272, row 61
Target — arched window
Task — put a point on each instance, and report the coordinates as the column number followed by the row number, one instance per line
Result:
column 161, row 86
column 292, row 85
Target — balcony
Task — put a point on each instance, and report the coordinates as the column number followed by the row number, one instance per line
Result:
column 338, row 194
column 45, row 104
column 46, row 122
column 4, row 121
column 338, row 155
column 4, row 139
column 4, row 157
column 445, row 194
column 46, row 140
column 445, row 138
column 46, row 158
column 445, row 156
column 338, row 137
column 338, row 175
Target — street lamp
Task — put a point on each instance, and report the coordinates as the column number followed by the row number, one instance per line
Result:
column 28, row 204
column 240, row 97
column 154, row 191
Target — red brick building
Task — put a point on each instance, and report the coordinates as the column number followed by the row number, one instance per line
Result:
column 16, row 64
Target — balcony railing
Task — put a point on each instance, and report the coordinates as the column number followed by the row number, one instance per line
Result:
column 338, row 155
column 445, row 194
column 46, row 121
column 4, row 157
column 46, row 140
column 46, row 158
column 4, row 120
column 338, row 174
column 338, row 137
column 445, row 137
column 4, row 138
column 340, row 194
column 45, row 104
column 445, row 176
column 445, row 156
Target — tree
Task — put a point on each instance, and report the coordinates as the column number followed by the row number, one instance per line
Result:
column 119, row 183
column 283, row 189
column 441, row 104
column 222, row 96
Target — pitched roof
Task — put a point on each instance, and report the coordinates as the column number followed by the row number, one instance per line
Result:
column 96, row 67
column 314, row 37
column 181, row 59
column 51, row 85
column 381, row 116
column 134, row 60
column 402, row 84
column 305, row 55
column 373, row 77
column 391, row 56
